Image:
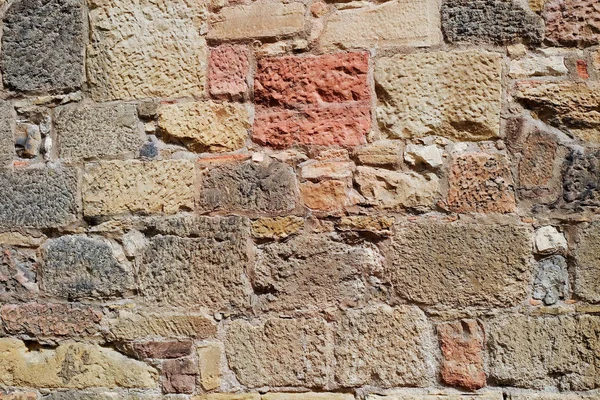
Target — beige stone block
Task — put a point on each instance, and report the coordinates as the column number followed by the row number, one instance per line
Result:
column 209, row 366
column 276, row 228
column 307, row 396
column 129, row 325
column 227, row 396
column 437, row 396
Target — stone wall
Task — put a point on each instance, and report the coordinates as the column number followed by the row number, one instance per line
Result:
column 300, row 200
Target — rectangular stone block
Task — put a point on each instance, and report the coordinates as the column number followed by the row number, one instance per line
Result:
column 229, row 71
column 443, row 264
column 438, row 396
column 261, row 19
column 553, row 396
column 19, row 272
column 572, row 22
column 107, row 130
column 390, row 24
column 146, row 49
column 307, row 396
column 115, row 187
column 209, row 366
column 455, row 94
column 587, row 261
column 38, row 197
column 7, row 139
column 227, row 396
column 157, row 349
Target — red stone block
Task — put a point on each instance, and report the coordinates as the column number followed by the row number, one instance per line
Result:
column 179, row 376
column 228, row 71
column 573, row 22
column 582, row 69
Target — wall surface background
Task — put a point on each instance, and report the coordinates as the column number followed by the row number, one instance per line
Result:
column 300, row 200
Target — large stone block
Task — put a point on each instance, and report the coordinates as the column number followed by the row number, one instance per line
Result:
column 307, row 396
column 572, row 22
column 390, row 24
column 43, row 45
column 279, row 352
column 114, row 187
column 146, row 49
column 208, row 269
column 454, row 94
column 38, row 197
column 7, row 139
column 527, row 395
column 249, row 187
column 383, row 346
column 106, row 130
column 229, row 71
column 581, row 180
column 79, row 267
column 537, row 352
column 587, row 264
column 19, row 273
column 314, row 273
column 490, row 21
column 459, row 264
column 101, row 395
column 439, row 396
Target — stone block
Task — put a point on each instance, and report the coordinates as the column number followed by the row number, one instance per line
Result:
column 572, row 22
column 229, row 71
column 587, row 259
column 130, row 325
column 276, row 228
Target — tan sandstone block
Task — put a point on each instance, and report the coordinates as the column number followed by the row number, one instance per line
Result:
column 438, row 396
column 307, row 396
column 452, row 94
column 205, row 126
column 260, row 19
column 114, row 187
column 393, row 23
column 146, row 48
column 209, row 366
column 554, row 396
column 227, row 396
column 276, row 228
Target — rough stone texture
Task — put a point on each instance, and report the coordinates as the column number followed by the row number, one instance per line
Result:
column 228, row 396
column 439, row 396
column 71, row 365
column 537, row 164
column 276, row 228
column 229, row 71
column 143, row 49
column 326, row 196
column 462, row 350
column 179, row 376
column 101, row 395
column 97, row 131
column 261, row 19
column 279, row 352
column 114, row 187
column 582, row 180
column 205, row 126
column 551, row 282
column 19, row 396
column 452, row 94
column 587, row 256
column 313, row 273
column 49, row 320
column 154, row 349
column 38, row 197
column 307, row 396
column 552, row 396
column 207, row 269
column 379, row 154
column 534, row 352
column 572, row 22
column 249, row 187
column 535, row 65
column 480, row 183
column 7, row 139
column 490, row 21
column 43, row 45
column 130, row 326
column 209, row 366
column 366, row 223
column 397, row 189
column 18, row 275
column 78, row 267
column 383, row 346
column 394, row 23
column 548, row 240
column 459, row 264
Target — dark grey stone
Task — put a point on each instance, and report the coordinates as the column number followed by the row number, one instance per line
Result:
column 581, row 181
column 78, row 267
column 149, row 150
column 490, row 21
column 551, row 280
column 43, row 45
column 38, row 198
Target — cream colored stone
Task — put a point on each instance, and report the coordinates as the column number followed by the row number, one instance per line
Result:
column 205, row 126
column 452, row 94
column 381, row 153
column 130, row 326
column 19, row 239
column 392, row 23
column 538, row 66
column 71, row 365
column 114, row 187
column 554, row 396
column 326, row 169
column 276, row 228
column 146, row 48
column 209, row 366
column 260, row 19
column 227, row 396
column 307, row 396
column 431, row 155
column 437, row 396
column 548, row 240
column 365, row 223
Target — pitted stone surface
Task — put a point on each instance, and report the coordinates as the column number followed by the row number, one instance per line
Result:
column 587, row 257
column 228, row 71
column 7, row 139
column 43, row 45
column 19, row 274
column 582, row 180
column 130, row 325
column 551, row 282
column 572, row 22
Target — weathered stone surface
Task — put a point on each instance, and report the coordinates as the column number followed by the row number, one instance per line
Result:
column 7, row 139
column 383, row 346
column 38, row 197
column 438, row 396
column 587, row 258
column 207, row 269
column 19, row 396
column 205, row 126
column 209, row 366
column 102, row 395
column 160, row 350
column 481, row 182
column 538, row 161
column 107, row 130
column 379, row 154
column 553, row 396
column 78, row 267
column 572, row 22
column 261, row 19
column 462, row 350
column 43, row 45
column 179, row 376
column 314, row 273
column 131, row 326
column 114, row 187
column 572, row 106
column 536, row 65
column 48, row 320
column 323, row 169
column 18, row 275
column 490, row 21
column 582, row 180
column 228, row 396
column 459, row 264
column 551, row 282
column 229, row 71
column 430, row 156
column 279, row 352
column 548, row 240
column 453, row 94
column 325, row 196
column 394, row 23
column 536, row 352
column 71, row 365
column 146, row 49
column 367, row 223
column 276, row 228
column 307, row 396
column 397, row 189
column 249, row 187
